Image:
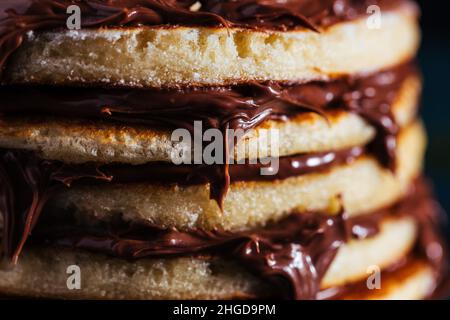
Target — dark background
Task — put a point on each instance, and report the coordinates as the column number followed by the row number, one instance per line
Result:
column 434, row 59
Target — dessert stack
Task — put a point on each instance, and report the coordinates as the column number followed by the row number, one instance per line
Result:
column 96, row 203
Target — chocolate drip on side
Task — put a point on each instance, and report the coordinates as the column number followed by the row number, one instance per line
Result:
column 26, row 183
column 431, row 219
column 17, row 17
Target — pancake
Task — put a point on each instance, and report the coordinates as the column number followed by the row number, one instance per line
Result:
column 78, row 141
column 364, row 186
column 41, row 271
column 151, row 56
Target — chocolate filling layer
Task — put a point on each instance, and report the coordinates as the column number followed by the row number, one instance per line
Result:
column 241, row 107
column 28, row 181
column 293, row 254
column 17, row 17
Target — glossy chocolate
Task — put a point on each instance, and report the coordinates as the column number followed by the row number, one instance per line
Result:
column 242, row 107
column 289, row 166
column 272, row 252
column 293, row 254
column 17, row 17
column 27, row 182
column 239, row 107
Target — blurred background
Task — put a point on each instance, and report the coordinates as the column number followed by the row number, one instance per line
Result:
column 434, row 59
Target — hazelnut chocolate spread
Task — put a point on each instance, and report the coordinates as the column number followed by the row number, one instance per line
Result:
column 17, row 17
column 237, row 107
column 27, row 182
column 292, row 254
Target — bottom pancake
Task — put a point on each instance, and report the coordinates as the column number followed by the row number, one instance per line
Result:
column 208, row 274
column 43, row 274
column 41, row 271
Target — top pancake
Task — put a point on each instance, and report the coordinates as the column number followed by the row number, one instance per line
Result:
column 213, row 54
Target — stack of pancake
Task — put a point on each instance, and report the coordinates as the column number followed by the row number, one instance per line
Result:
column 87, row 160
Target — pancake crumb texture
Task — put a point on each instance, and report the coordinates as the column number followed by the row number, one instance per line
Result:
column 364, row 185
column 214, row 56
